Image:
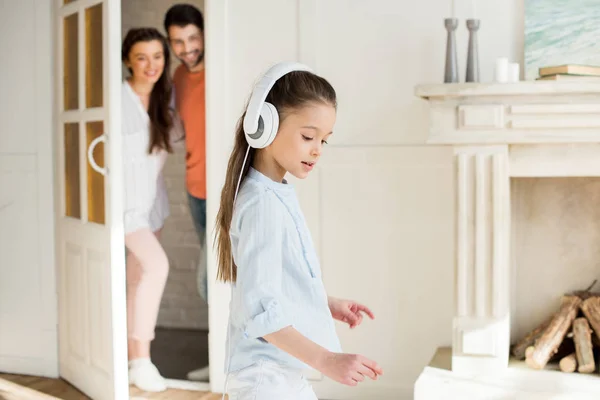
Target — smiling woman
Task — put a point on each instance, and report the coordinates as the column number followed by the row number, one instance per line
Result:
column 145, row 53
column 180, row 347
column 147, row 134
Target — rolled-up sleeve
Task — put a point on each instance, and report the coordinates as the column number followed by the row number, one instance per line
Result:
column 259, row 260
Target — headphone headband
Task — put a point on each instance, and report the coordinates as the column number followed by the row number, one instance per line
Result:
column 262, row 88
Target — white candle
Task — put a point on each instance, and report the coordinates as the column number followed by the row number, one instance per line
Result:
column 513, row 72
column 453, row 8
column 473, row 2
column 501, row 72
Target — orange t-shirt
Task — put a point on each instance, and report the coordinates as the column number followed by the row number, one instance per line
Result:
column 190, row 102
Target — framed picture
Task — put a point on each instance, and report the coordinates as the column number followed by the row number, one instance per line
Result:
column 559, row 32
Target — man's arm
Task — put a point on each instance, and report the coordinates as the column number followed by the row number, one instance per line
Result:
column 177, row 134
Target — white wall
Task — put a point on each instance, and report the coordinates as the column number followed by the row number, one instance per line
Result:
column 181, row 306
column 380, row 207
column 28, row 336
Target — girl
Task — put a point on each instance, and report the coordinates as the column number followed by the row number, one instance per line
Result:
column 148, row 128
column 281, row 318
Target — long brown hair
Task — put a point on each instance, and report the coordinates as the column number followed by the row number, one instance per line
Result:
column 291, row 92
column 161, row 120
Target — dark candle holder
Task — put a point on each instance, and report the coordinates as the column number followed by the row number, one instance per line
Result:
column 473, row 52
column 451, row 70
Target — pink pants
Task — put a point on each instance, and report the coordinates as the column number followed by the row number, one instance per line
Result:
column 147, row 270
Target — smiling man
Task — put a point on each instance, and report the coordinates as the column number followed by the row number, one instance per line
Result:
column 184, row 25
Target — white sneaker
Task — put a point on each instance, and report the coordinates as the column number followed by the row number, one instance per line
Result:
column 199, row 375
column 145, row 375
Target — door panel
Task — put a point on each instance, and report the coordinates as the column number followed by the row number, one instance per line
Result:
column 94, row 94
column 72, row 203
column 70, row 43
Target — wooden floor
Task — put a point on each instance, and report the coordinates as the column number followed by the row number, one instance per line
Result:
column 18, row 387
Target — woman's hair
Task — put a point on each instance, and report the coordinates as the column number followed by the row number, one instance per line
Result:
column 161, row 120
column 293, row 91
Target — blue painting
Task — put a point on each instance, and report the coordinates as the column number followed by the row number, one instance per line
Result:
column 561, row 32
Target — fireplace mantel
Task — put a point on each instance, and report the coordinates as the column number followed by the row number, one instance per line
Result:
column 528, row 88
column 500, row 131
column 513, row 113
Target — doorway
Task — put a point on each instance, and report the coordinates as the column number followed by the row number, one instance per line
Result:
column 181, row 342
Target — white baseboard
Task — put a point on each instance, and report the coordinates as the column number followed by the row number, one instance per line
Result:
column 29, row 366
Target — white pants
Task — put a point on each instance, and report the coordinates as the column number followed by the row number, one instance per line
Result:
column 267, row 380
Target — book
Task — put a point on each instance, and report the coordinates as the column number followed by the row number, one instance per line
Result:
column 570, row 69
column 566, row 77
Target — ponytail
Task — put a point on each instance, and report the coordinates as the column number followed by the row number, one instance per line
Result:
column 226, row 271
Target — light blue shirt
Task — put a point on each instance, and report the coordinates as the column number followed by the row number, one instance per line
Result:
column 278, row 275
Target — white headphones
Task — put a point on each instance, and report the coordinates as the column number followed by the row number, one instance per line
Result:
column 262, row 119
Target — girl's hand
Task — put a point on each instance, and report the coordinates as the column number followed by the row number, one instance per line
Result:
column 348, row 311
column 349, row 369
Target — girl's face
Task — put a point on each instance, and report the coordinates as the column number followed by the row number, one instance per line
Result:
column 301, row 137
column 146, row 61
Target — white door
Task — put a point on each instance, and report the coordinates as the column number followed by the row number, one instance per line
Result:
column 91, row 281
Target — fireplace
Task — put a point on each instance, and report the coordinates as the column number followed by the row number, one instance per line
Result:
column 527, row 187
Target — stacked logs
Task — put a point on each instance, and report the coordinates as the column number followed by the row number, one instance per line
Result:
column 569, row 336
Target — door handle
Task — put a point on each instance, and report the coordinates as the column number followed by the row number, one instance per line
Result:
column 102, row 138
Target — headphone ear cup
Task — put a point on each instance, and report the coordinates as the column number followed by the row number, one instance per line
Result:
column 270, row 118
column 268, row 124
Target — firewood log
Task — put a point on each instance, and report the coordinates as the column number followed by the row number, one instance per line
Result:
column 591, row 309
column 568, row 363
column 582, row 336
column 521, row 346
column 529, row 351
column 553, row 335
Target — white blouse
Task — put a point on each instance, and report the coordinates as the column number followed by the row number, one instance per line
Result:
column 146, row 204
